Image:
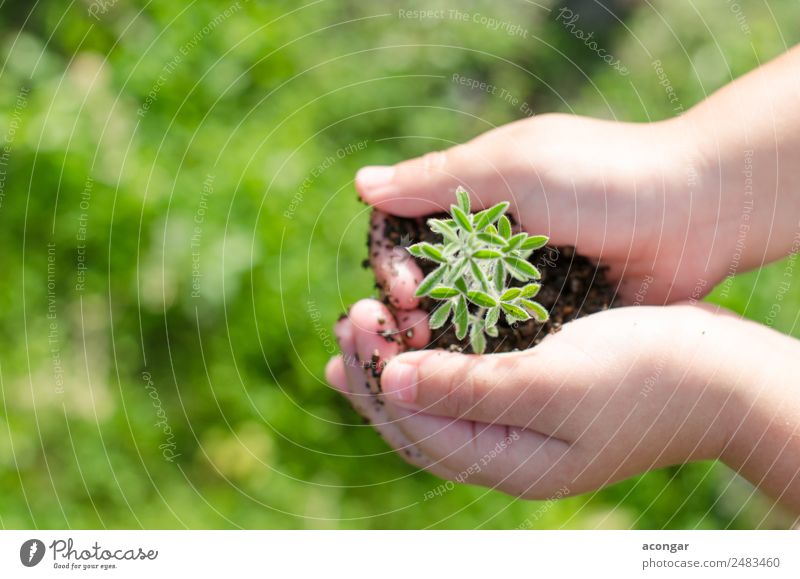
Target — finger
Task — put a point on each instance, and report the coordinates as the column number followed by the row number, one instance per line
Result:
column 358, row 391
column 489, row 164
column 395, row 269
column 535, row 389
column 335, row 374
column 376, row 337
column 519, row 462
column 414, row 328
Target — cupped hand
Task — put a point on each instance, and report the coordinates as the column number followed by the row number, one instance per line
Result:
column 611, row 395
column 632, row 196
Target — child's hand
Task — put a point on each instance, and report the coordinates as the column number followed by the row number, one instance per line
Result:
column 616, row 191
column 611, row 395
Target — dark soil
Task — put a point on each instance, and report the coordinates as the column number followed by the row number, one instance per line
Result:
column 572, row 287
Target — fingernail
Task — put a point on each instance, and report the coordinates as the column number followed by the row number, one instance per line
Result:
column 374, row 176
column 399, row 382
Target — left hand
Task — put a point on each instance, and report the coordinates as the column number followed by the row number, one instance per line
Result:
column 612, row 395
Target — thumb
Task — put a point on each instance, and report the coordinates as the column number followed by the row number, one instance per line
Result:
column 489, row 167
column 530, row 389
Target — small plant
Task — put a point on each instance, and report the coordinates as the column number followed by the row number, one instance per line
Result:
column 477, row 260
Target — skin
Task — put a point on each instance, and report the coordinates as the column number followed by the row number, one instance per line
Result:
column 631, row 389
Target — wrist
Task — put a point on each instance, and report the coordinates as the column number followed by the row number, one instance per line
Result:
column 763, row 412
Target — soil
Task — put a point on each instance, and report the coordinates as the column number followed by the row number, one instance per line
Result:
column 572, row 287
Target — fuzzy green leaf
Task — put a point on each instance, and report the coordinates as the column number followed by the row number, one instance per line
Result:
column 416, row 250
column 463, row 199
column 517, row 240
column 530, row 290
column 521, row 269
column 487, row 254
column 490, row 215
column 492, row 239
column 442, row 228
column 510, row 294
column 535, row 242
column 431, row 252
column 499, row 278
column 461, row 285
column 461, row 319
column 537, row 309
column 457, row 271
column 504, row 227
column 440, row 315
column 443, row 292
column 481, row 299
column 514, row 313
column 430, row 281
column 492, row 317
column 477, row 272
column 477, row 340
column 461, row 218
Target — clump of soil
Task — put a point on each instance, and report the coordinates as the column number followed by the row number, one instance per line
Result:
column 572, row 287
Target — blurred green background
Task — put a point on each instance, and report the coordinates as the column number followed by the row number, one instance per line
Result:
column 179, row 231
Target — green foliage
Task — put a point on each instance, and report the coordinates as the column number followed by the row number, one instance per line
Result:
column 477, row 261
column 262, row 101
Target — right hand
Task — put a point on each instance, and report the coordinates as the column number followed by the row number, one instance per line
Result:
column 621, row 193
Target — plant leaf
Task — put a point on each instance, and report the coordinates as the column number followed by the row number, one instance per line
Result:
column 463, row 199
column 499, row 277
column 517, row 240
column 514, row 313
column 521, row 269
column 537, row 309
column 443, row 292
column 530, row 290
column 492, row 239
column 510, row 294
column 504, row 227
column 490, row 215
column 487, row 254
column 430, row 281
column 477, row 272
column 461, row 285
column 477, row 340
column 440, row 315
column 416, row 251
column 481, row 299
column 431, row 252
column 461, row 318
column 456, row 271
column 492, row 317
column 461, row 218
column 442, row 228
column 535, row 242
